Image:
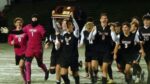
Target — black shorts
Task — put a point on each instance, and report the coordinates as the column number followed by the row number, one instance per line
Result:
column 120, row 60
column 18, row 58
column 89, row 56
column 104, row 57
column 127, row 58
column 55, row 59
column 71, row 62
column 74, row 65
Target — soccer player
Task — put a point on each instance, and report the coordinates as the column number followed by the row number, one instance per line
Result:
column 127, row 44
column 35, row 33
column 145, row 30
column 55, row 55
column 69, row 55
column 103, row 45
column 88, row 37
column 137, row 70
column 18, row 39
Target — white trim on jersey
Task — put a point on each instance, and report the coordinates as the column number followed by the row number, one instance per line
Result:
column 76, row 31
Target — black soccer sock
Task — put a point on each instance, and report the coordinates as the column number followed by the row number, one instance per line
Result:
column 77, row 79
column 110, row 72
column 128, row 78
column 104, row 80
column 134, row 69
column 95, row 72
column 137, row 70
column 86, row 69
column 66, row 79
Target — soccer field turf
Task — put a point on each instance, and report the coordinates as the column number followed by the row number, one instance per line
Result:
column 10, row 74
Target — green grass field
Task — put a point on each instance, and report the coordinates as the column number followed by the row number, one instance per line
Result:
column 9, row 72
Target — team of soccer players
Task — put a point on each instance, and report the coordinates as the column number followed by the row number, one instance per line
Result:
column 104, row 43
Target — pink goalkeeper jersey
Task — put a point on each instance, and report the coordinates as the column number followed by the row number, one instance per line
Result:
column 35, row 36
column 20, row 41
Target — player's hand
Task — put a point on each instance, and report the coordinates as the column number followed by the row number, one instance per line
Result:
column 112, row 28
column 46, row 45
column 12, row 42
column 93, row 29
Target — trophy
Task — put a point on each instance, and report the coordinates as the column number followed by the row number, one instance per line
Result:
column 62, row 12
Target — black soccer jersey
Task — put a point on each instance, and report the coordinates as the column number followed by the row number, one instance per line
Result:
column 127, row 43
column 103, row 39
column 146, row 35
column 139, row 36
column 89, row 43
column 70, row 45
column 52, row 39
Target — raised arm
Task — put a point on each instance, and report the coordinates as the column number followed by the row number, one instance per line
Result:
column 93, row 33
column 55, row 24
column 76, row 31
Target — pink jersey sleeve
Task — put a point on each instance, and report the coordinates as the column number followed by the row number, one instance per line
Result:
column 10, row 39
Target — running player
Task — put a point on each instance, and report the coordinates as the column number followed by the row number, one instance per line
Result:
column 87, row 37
column 126, row 43
column 18, row 39
column 103, row 45
column 145, row 30
column 55, row 55
column 70, row 51
column 56, row 40
column 137, row 70
column 35, row 33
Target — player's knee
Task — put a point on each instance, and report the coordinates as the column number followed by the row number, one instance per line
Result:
column 21, row 66
column 53, row 71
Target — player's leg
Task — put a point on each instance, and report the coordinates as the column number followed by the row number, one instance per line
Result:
column 58, row 75
column 94, row 66
column 28, row 62
column 110, row 74
column 86, row 69
column 104, row 72
column 75, row 68
column 137, row 70
column 39, row 59
column 128, row 74
column 106, row 59
column 148, row 68
column 22, row 69
column 64, row 75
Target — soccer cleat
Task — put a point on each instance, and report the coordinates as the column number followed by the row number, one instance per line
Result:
column 110, row 81
column 46, row 75
column 137, row 80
